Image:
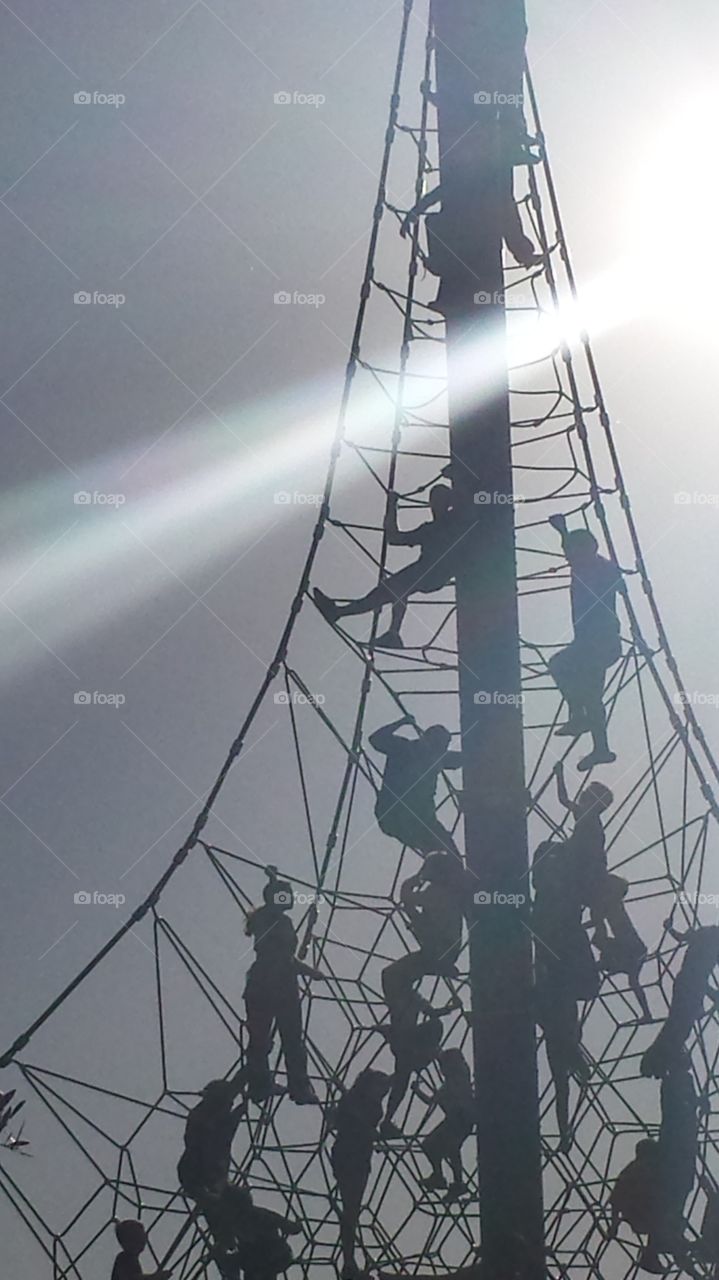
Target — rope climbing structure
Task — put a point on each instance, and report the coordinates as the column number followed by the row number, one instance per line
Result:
column 356, row 1123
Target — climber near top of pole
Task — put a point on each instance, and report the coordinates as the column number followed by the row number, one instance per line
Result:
column 433, row 569
column 579, row 670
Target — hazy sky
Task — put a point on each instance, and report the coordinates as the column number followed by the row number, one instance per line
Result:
column 183, row 398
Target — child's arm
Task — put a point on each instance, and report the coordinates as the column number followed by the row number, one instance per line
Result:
column 429, row 1097
column 382, row 739
column 562, row 793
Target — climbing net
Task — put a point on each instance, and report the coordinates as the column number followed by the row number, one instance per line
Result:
column 111, row 1137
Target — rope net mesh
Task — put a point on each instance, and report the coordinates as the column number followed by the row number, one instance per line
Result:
column 108, row 1117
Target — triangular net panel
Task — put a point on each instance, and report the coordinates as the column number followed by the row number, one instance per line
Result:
column 108, row 1116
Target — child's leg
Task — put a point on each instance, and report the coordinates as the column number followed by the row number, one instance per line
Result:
column 260, row 1015
column 289, row 1025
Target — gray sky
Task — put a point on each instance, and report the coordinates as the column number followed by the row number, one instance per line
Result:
column 197, row 200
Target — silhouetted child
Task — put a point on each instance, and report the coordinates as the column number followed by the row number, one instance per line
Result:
column 650, row 1193
column 440, row 260
column 406, row 804
column 204, row 1165
column 635, row 1197
column 623, row 951
column 455, row 1098
column 688, row 995
column 132, row 1240
column 579, row 670
column 678, row 1145
column 414, row 1045
column 254, row 1240
column 355, row 1120
column 272, row 996
column 587, row 841
column 438, row 540
column 707, row 1247
column 558, row 1016
column 564, row 957
column 433, row 900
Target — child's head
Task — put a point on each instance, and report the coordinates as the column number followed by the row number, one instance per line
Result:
column 580, row 547
column 440, row 499
column 595, row 797
column 278, row 893
column 373, row 1084
column 437, row 739
column 645, row 1149
column 131, row 1237
column 218, row 1094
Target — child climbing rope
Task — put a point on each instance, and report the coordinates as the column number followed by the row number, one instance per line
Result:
column 579, row 670
column 251, row 1241
column 441, row 261
column 414, row 1045
column 132, row 1240
column 688, row 995
column 433, row 901
column 406, row 804
column 455, row 1098
column 439, row 540
column 620, row 948
column 204, row 1166
column 272, row 997
column 355, row 1120
column 650, row 1193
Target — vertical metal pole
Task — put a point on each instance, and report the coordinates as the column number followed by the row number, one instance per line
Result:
column 479, row 51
